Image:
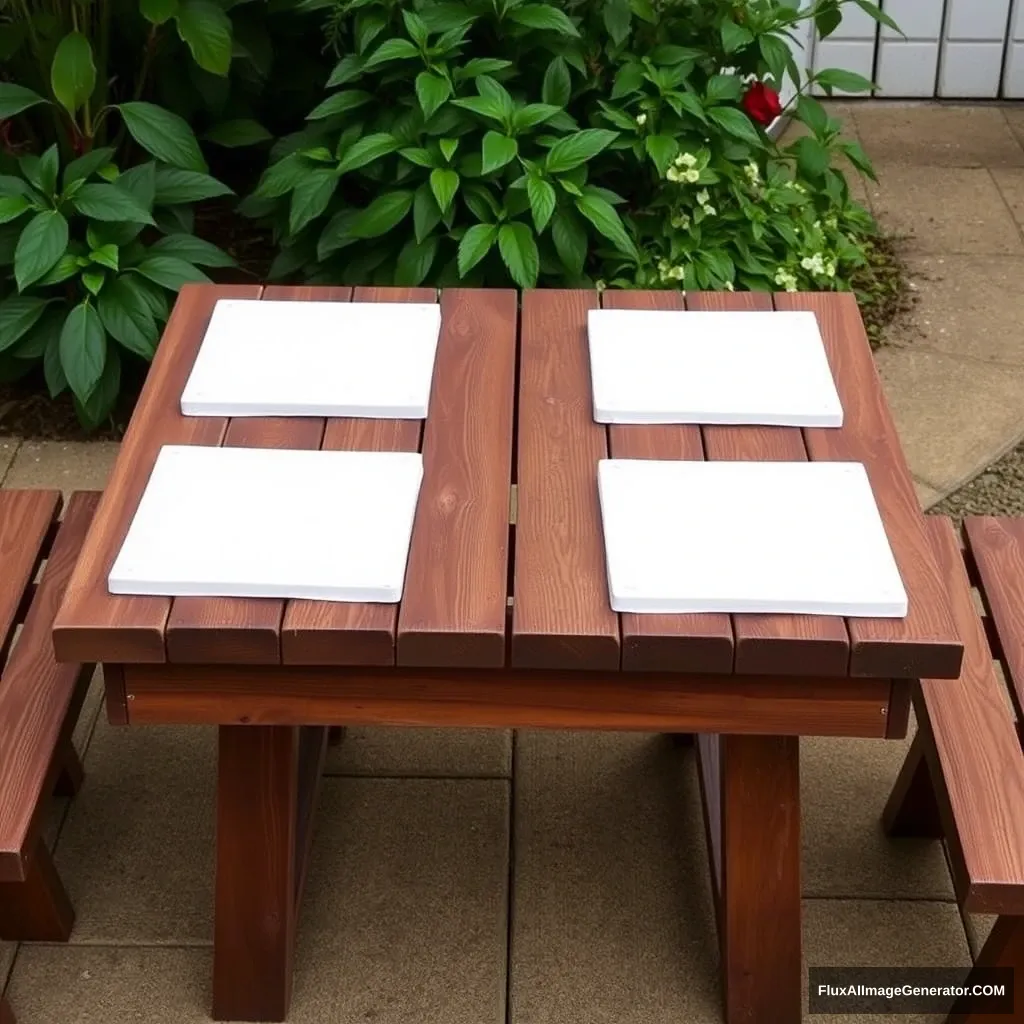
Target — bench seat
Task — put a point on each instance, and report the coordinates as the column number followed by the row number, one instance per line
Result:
column 963, row 778
column 40, row 701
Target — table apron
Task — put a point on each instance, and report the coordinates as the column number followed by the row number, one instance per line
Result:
column 655, row 702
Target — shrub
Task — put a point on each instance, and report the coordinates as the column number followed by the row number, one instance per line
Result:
column 490, row 141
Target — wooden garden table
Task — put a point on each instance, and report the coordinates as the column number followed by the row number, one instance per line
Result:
column 505, row 620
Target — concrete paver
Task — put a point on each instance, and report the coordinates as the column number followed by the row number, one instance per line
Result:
column 69, row 465
column 480, row 753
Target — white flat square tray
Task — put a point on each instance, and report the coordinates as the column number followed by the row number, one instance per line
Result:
column 365, row 359
column 242, row 522
column 658, row 366
column 787, row 537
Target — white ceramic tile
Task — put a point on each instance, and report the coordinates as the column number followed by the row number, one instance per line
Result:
column 1013, row 77
column 857, row 56
column 918, row 19
column 977, row 20
column 907, row 69
column 856, row 24
column 372, row 360
column 654, row 366
column 970, row 70
column 789, row 537
column 243, row 522
column 1017, row 20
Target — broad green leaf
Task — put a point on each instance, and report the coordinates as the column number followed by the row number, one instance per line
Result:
column 534, row 114
column 170, row 271
column 83, row 349
column 45, row 333
column 140, row 182
column 828, row 19
column 542, row 198
column 855, row 152
column 416, row 27
column 10, row 185
column 56, row 382
column 475, row 245
column 238, row 133
column 736, row 123
column 66, row 267
column 18, row 315
column 690, row 103
column 734, row 37
column 391, row 49
column 93, row 280
column 12, row 207
column 543, row 16
column 669, row 55
column 482, row 105
column 41, row 171
column 813, row 114
column 98, row 406
column 570, row 238
column 16, row 98
column 431, row 91
column 206, row 29
column 158, row 11
column 310, row 197
column 845, row 81
column 724, row 89
column 127, row 318
column 662, row 149
column 444, row 183
column 518, row 250
column 192, row 250
column 152, row 295
column 776, row 54
column 448, row 148
column 811, row 156
column 415, row 261
column 336, row 235
column 628, row 79
column 366, row 150
column 426, row 214
column 557, row 85
column 110, row 203
column 73, row 72
column 87, row 165
column 42, row 242
column 492, row 90
column 282, row 177
column 498, row 150
column 480, row 66
column 382, row 214
column 339, row 103
column 418, row 156
column 577, row 149
column 174, row 186
column 617, row 17
column 165, row 135
column 106, row 256
column 604, row 217
column 348, row 68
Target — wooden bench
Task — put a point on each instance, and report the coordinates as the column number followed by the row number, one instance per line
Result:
column 963, row 779
column 39, row 705
column 6, row 1013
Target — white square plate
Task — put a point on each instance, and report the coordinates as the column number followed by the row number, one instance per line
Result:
column 790, row 537
column 245, row 522
column 373, row 360
column 659, row 366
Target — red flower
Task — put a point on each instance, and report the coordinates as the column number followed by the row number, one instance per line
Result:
column 761, row 103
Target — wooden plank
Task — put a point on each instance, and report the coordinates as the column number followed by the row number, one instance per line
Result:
column 330, row 632
column 561, row 616
column 92, row 624
column 974, row 755
column 801, row 644
column 6, row 1013
column 694, row 643
column 925, row 643
column 454, row 607
column 997, row 549
column 246, row 631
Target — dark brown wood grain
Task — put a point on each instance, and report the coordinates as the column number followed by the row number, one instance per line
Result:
column 36, row 909
column 6, row 1013
column 912, row 812
column 93, row 624
column 246, row 631
column 801, row 644
column 330, row 632
column 694, row 643
column 561, row 616
column 925, row 643
column 1004, row 947
column 455, row 600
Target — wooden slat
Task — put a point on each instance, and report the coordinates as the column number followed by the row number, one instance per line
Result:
column 974, row 751
column 93, row 624
column 454, row 606
column 811, row 645
column 246, row 631
column 561, row 616
column 694, row 643
column 334, row 633
column 925, row 643
column 997, row 548
column 39, row 699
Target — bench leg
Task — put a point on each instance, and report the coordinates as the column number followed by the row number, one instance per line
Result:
column 1003, row 948
column 37, row 909
column 681, row 739
column 267, row 782
column 335, row 734
column 6, row 1013
column 71, row 776
column 911, row 811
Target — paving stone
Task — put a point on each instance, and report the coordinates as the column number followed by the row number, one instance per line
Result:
column 422, row 752
column 70, row 465
column 8, row 449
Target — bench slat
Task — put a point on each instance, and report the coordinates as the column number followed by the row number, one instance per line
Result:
column 38, row 698
column 975, row 759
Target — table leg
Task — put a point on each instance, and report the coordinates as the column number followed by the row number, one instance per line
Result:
column 36, row 909
column 6, row 1013
column 1004, row 947
column 751, row 794
column 267, row 784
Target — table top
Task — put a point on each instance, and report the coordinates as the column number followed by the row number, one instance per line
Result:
column 506, row 565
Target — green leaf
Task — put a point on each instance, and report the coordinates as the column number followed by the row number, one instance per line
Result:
column 662, row 149
column 174, row 186
column 206, row 29
column 238, row 133
column 336, row 235
column 557, row 86
column 415, row 261
column 570, row 238
column 192, row 250
column 16, row 98
column 382, row 214
column 418, row 156
column 845, row 81
column 366, row 150
column 448, row 148
column 156, row 12
column 734, row 37
column 110, row 203
column 86, row 166
column 340, row 103
column 282, row 177
column 12, row 207
column 811, row 156
column 73, row 72
column 828, row 19
column 545, row 17
column 577, row 149
column 348, row 68
column 628, row 79
column 83, row 349
column 106, row 256
column 736, row 123
column 128, row 319
column 813, row 114
column 618, row 17
column 140, row 182
column 475, row 245
column 170, row 271
column 724, row 89
column 416, row 27
column 542, row 198
column 310, row 197
column 67, row 266
column 41, row 244
column 534, row 114
column 14, row 186
column 18, row 315
column 604, row 217
column 856, row 155
column 391, row 49
column 444, row 183
column 36, row 341
column 98, row 406
column 480, row 66
column 776, row 54
column 426, row 214
column 432, row 91
column 518, row 249
column 56, row 382
column 165, row 135
column 93, row 281
column 498, row 150
column 42, row 171
column 878, row 14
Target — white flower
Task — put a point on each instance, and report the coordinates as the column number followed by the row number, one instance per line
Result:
column 641, row 119
column 709, row 210
column 753, row 173
column 830, row 268
column 692, row 176
column 815, row 264
column 677, row 273
column 673, row 174
column 686, row 160
column 703, row 197
column 681, row 221
column 785, row 279
column 729, row 286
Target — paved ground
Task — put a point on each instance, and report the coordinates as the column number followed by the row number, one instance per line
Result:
column 479, row 878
